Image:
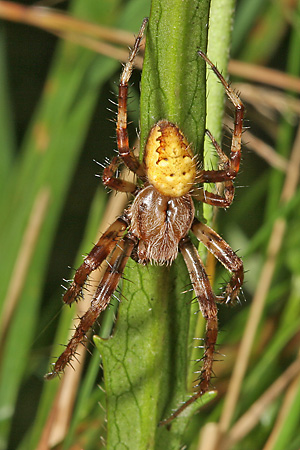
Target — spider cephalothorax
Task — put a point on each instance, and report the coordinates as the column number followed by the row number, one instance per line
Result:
column 155, row 227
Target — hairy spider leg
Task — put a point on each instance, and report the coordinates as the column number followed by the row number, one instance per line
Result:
column 108, row 241
column 230, row 166
column 109, row 179
column 99, row 303
column 210, row 197
column 122, row 135
column 207, row 305
column 235, row 153
column 221, row 250
column 94, row 259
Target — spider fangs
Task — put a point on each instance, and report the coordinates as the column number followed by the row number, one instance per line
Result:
column 156, row 225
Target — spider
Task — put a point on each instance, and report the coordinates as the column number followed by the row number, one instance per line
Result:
column 155, row 227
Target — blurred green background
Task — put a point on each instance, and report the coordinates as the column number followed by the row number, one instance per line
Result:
column 54, row 96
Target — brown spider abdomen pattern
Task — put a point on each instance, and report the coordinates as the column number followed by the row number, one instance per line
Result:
column 160, row 222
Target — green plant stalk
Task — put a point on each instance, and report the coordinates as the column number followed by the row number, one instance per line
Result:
column 218, row 50
column 173, row 81
column 146, row 362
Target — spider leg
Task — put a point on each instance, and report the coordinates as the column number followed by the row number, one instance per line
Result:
column 213, row 199
column 225, row 175
column 99, row 302
column 122, row 135
column 222, row 251
column 229, row 166
column 109, row 179
column 235, row 153
column 207, row 305
column 94, row 259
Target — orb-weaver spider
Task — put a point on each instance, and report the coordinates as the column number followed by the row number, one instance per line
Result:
column 156, row 225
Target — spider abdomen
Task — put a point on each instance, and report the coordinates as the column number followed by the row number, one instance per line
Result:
column 169, row 161
column 160, row 222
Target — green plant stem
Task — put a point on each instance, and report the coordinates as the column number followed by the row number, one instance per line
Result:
column 146, row 361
